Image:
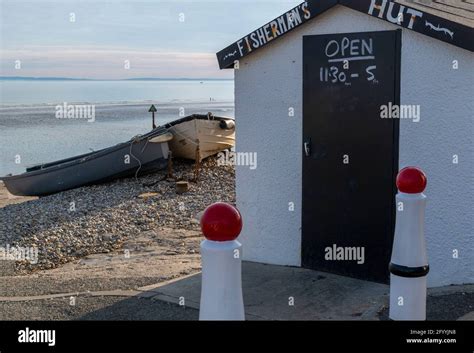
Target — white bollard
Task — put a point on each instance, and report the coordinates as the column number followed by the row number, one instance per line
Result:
column 409, row 264
column 221, row 288
column 221, row 291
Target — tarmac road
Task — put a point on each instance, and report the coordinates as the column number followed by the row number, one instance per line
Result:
column 96, row 308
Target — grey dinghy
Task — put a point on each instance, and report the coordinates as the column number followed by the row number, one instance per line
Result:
column 140, row 154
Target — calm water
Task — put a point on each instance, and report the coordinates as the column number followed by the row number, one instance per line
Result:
column 30, row 132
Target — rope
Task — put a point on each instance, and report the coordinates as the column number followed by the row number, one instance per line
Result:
column 146, row 144
column 134, row 140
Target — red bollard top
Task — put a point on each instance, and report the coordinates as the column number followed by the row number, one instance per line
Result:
column 221, row 222
column 411, row 180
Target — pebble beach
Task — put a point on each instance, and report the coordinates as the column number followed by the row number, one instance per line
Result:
column 98, row 219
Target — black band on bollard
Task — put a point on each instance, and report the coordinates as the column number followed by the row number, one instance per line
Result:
column 410, row 272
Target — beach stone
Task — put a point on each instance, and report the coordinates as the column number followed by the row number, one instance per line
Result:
column 148, row 195
column 182, row 187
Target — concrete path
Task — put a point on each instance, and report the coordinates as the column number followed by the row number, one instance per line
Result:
column 269, row 292
column 288, row 293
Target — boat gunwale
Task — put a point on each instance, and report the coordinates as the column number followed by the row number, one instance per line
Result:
column 196, row 116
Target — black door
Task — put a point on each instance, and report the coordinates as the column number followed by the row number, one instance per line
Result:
column 350, row 153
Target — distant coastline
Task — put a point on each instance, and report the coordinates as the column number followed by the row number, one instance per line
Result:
column 26, row 78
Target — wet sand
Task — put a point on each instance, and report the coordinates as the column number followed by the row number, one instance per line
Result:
column 8, row 199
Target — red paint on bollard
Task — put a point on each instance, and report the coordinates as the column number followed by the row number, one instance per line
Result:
column 221, row 222
column 411, row 180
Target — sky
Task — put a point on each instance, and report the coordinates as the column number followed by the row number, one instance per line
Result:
column 114, row 39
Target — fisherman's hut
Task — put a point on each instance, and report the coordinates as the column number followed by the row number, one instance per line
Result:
column 334, row 97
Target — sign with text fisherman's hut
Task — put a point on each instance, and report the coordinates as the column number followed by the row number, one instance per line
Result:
column 272, row 30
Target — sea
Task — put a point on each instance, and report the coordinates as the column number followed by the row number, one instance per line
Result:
column 37, row 123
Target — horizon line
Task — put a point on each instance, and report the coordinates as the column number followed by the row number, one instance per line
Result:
column 53, row 78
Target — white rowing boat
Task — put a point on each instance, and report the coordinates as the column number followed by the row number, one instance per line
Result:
column 199, row 136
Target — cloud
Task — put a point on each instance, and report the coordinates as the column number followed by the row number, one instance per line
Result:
column 152, row 34
column 111, row 63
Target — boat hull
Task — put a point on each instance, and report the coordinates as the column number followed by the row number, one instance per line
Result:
column 126, row 159
column 205, row 133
